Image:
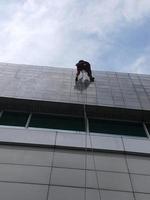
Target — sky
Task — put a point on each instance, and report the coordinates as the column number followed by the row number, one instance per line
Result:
column 113, row 35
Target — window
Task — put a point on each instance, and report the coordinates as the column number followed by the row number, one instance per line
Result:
column 13, row 118
column 148, row 127
column 57, row 122
column 116, row 127
column 49, row 121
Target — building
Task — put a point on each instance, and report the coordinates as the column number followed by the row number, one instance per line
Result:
column 60, row 140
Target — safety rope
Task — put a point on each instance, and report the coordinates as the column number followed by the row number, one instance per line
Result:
column 88, row 135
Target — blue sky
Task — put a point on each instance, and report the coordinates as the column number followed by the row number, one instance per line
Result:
column 113, row 35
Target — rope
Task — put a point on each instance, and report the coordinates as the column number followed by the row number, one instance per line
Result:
column 91, row 147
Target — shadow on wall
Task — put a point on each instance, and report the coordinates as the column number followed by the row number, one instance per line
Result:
column 82, row 84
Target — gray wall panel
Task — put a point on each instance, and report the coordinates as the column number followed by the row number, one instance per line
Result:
column 65, row 193
column 24, row 174
column 27, row 136
column 139, row 164
column 140, row 196
column 116, row 195
column 25, row 155
column 16, row 191
column 71, row 159
column 114, row 181
column 106, row 162
column 105, row 142
column 137, row 145
column 68, row 177
column 70, row 140
column 141, row 183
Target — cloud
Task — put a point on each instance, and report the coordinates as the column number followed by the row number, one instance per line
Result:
column 135, row 10
column 58, row 33
column 140, row 65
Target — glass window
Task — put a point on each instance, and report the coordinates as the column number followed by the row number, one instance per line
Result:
column 148, row 127
column 57, row 122
column 117, row 127
column 13, row 118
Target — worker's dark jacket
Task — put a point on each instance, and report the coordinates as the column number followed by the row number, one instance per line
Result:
column 83, row 66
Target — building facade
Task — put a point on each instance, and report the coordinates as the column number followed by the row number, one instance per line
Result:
column 61, row 140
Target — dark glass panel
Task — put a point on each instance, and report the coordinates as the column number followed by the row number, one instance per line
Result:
column 57, row 122
column 117, row 127
column 13, row 118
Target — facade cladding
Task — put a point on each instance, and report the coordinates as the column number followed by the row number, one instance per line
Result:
column 65, row 141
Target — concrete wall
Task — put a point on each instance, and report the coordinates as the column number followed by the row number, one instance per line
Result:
column 55, row 174
column 110, row 89
column 38, row 164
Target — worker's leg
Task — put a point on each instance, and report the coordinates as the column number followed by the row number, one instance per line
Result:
column 77, row 74
column 89, row 72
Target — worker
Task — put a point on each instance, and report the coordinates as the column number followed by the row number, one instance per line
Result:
column 84, row 66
